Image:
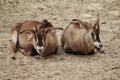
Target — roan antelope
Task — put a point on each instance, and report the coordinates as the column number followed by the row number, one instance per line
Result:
column 32, row 38
column 81, row 37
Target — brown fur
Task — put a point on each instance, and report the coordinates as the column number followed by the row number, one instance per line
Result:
column 51, row 44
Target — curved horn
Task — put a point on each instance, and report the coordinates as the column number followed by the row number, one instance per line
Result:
column 36, row 30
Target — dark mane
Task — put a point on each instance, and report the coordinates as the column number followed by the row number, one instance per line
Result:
column 46, row 24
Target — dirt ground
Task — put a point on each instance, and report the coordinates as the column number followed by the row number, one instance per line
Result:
column 61, row 66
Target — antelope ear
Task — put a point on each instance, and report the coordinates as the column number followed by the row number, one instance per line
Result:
column 96, row 25
column 51, row 29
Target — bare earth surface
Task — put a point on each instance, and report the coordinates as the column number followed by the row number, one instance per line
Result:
column 61, row 66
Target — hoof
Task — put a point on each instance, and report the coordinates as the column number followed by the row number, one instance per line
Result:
column 13, row 58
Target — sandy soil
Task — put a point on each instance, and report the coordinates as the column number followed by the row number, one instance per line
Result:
column 61, row 66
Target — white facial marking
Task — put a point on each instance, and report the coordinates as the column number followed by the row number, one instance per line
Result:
column 40, row 49
column 97, row 44
column 36, row 40
column 43, row 41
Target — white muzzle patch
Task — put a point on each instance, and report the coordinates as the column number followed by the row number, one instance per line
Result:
column 40, row 49
column 98, row 44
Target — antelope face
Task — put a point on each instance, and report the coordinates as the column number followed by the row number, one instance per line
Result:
column 39, row 42
column 95, row 33
column 97, row 43
column 40, row 36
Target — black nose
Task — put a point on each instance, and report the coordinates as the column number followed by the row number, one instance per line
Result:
column 101, row 45
column 40, row 50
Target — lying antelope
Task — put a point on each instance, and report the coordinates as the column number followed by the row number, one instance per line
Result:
column 81, row 37
column 33, row 38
